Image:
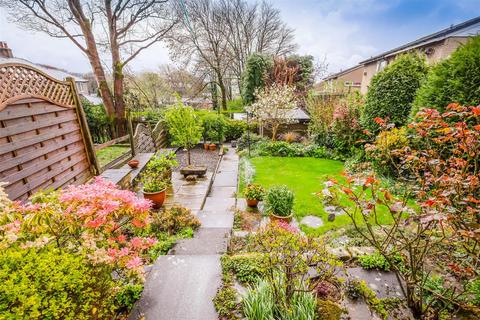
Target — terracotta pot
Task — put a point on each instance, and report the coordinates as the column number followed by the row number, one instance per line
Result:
column 287, row 219
column 252, row 203
column 158, row 198
column 206, row 146
column 133, row 164
column 212, row 147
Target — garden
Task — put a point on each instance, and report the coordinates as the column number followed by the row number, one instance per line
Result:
column 389, row 186
column 372, row 212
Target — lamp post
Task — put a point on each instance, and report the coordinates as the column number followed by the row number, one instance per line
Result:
column 248, row 132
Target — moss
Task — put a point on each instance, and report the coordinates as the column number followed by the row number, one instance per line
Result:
column 329, row 310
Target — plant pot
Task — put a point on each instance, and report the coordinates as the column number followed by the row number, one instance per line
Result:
column 158, row 198
column 206, row 146
column 133, row 164
column 252, row 203
column 287, row 219
column 212, row 147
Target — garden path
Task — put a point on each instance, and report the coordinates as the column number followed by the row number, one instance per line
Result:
column 182, row 284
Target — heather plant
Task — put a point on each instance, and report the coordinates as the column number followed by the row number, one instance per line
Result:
column 440, row 234
column 93, row 219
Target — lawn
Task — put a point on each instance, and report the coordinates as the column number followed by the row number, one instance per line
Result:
column 305, row 177
column 108, row 154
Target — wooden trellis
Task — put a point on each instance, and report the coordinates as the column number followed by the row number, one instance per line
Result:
column 44, row 138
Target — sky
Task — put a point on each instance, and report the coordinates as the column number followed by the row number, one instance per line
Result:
column 344, row 32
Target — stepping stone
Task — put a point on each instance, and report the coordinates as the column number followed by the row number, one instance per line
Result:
column 223, row 192
column 312, row 221
column 206, row 241
column 385, row 284
column 219, row 204
column 180, row 288
column 358, row 310
column 215, row 219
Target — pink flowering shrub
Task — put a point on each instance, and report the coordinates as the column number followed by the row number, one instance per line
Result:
column 97, row 220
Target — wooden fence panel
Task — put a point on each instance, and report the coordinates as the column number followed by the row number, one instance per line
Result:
column 44, row 140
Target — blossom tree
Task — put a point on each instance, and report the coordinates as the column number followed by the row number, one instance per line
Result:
column 274, row 107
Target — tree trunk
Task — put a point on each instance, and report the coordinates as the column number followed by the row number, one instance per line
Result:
column 223, row 90
column 95, row 62
column 189, row 162
column 274, row 132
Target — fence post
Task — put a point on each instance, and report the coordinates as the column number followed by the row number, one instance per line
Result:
column 85, row 131
column 130, row 132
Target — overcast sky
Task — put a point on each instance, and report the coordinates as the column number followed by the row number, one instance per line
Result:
column 343, row 31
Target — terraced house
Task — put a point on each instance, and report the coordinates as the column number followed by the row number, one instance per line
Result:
column 436, row 47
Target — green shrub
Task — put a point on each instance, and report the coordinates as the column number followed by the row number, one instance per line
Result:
column 234, row 129
column 175, row 219
column 248, row 268
column 456, row 79
column 279, row 201
column 225, row 302
column 378, row 261
column 254, row 139
column 214, row 125
column 383, row 153
column 127, row 297
column 99, row 123
column 392, row 91
column 47, row 283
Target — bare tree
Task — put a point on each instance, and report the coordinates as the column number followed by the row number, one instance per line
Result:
column 221, row 34
column 124, row 28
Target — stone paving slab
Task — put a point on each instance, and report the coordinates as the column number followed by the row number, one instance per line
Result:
column 180, row 288
column 193, row 202
column 220, row 192
column 225, row 179
column 215, row 219
column 219, row 204
column 228, row 166
column 206, row 241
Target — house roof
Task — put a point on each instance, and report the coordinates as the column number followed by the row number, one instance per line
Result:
column 51, row 71
column 466, row 28
column 338, row 74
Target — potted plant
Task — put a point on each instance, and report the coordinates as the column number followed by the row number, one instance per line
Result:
column 279, row 203
column 254, row 193
column 185, row 128
column 154, row 188
column 162, row 165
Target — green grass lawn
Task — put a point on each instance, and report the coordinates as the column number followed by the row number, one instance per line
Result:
column 111, row 153
column 305, row 177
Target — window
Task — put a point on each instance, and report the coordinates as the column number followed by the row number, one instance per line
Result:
column 381, row 65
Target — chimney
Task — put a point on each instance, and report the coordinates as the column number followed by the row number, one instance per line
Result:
column 5, row 51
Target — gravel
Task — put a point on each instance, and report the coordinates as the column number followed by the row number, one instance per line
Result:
column 199, row 157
